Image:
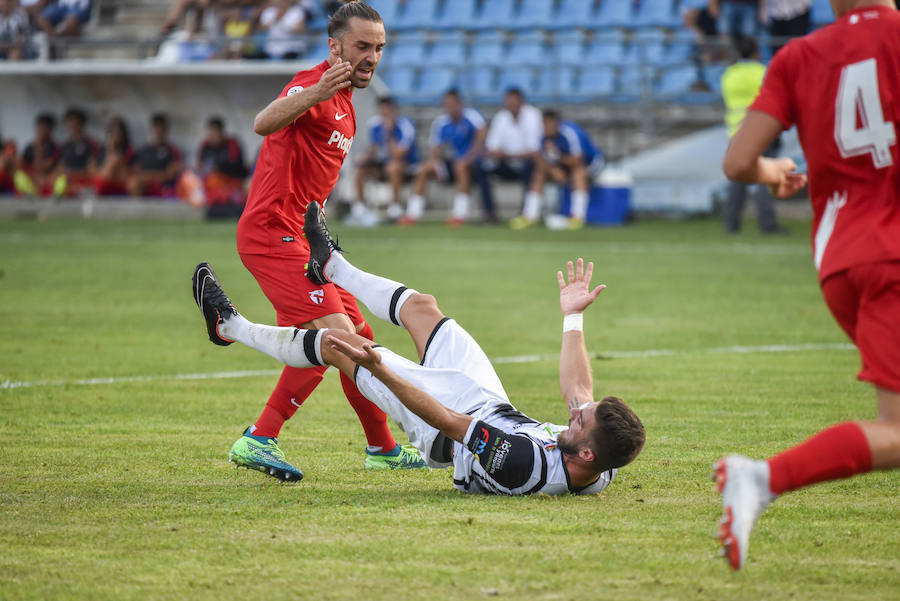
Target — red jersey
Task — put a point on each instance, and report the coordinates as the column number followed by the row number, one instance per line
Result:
column 297, row 165
column 841, row 87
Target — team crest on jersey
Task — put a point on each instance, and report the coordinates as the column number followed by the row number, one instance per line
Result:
column 317, row 296
column 343, row 142
column 295, row 90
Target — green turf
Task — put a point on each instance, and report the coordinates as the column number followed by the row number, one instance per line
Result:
column 122, row 491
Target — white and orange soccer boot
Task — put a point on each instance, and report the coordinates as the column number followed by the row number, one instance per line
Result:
column 744, row 486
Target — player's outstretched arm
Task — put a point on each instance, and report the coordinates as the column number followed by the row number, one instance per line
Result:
column 452, row 423
column 283, row 111
column 575, row 295
column 744, row 161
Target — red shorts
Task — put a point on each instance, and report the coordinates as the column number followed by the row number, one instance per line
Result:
column 295, row 298
column 865, row 301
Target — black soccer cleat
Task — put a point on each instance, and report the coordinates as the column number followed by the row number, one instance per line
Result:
column 213, row 302
column 321, row 244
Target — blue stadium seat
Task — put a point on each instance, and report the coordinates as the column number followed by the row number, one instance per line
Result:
column 594, row 82
column 533, row 14
column 406, row 49
column 458, row 14
column 488, row 49
column 614, row 13
column 678, row 52
column 448, row 50
column 388, row 9
column 712, row 75
column 821, row 13
column 527, row 49
column 496, row 14
column 419, row 14
column 568, row 49
column 675, row 86
column 479, row 84
column 574, row 13
column 606, row 49
column 546, row 88
column 648, row 47
column 516, row 77
column 433, row 82
column 657, row 13
column 634, row 82
column 401, row 81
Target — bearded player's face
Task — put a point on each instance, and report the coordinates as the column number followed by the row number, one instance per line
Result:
column 361, row 46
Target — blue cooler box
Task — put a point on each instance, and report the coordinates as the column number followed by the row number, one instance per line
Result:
column 610, row 201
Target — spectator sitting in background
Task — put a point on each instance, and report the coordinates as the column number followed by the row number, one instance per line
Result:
column 7, row 165
column 77, row 157
column 238, row 22
column 179, row 9
column 462, row 131
column 220, row 164
column 37, row 164
column 157, row 164
column 114, row 161
column 568, row 157
column 65, row 17
column 283, row 22
column 15, row 31
column 512, row 144
column 391, row 156
column 34, row 8
column 788, row 19
column 741, row 83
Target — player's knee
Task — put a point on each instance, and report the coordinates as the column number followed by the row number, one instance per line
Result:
column 421, row 303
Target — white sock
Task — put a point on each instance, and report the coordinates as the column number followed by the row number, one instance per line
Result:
column 532, row 208
column 415, row 207
column 383, row 297
column 460, row 205
column 579, row 206
column 291, row 346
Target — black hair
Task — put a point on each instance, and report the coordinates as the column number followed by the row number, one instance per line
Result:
column 747, row 47
column 216, row 122
column 352, row 9
column 126, row 139
column 514, row 91
column 386, row 100
column 77, row 114
column 45, row 119
column 551, row 114
column 159, row 119
column 454, row 93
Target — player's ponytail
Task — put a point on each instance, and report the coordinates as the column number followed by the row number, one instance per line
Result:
column 352, row 9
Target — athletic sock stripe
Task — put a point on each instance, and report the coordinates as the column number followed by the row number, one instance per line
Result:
column 309, row 346
column 393, row 307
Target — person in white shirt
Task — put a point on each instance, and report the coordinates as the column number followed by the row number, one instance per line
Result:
column 284, row 21
column 512, row 144
column 787, row 19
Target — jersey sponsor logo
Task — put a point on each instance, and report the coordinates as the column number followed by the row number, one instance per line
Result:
column 295, row 90
column 499, row 457
column 287, row 239
column 317, row 296
column 485, row 435
column 342, row 141
column 338, row 116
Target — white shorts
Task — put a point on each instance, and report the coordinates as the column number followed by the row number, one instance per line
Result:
column 455, row 371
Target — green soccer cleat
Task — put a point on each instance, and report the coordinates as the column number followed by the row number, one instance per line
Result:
column 262, row 453
column 399, row 458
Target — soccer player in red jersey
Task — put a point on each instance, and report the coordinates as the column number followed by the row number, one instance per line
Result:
column 308, row 131
column 841, row 87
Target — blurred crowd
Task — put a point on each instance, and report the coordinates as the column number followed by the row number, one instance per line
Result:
column 215, row 176
column 23, row 21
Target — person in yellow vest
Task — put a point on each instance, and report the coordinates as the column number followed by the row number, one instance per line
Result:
column 740, row 85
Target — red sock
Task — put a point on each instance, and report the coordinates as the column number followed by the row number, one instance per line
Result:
column 294, row 386
column 836, row 452
column 373, row 419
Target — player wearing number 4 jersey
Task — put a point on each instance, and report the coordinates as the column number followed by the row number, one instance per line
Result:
column 452, row 405
column 841, row 87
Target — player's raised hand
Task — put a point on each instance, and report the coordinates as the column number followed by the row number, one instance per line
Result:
column 785, row 180
column 336, row 78
column 575, row 295
column 366, row 356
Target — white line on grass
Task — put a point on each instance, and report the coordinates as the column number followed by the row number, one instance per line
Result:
column 646, row 354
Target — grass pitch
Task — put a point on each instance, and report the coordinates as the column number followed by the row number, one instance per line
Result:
column 121, row 490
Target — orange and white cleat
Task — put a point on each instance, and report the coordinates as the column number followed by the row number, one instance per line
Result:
column 744, row 486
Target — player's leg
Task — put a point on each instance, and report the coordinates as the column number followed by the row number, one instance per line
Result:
column 462, row 176
column 415, row 205
column 534, row 197
column 580, row 194
column 734, row 206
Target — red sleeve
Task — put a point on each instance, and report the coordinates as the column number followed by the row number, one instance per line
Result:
column 775, row 97
column 301, row 80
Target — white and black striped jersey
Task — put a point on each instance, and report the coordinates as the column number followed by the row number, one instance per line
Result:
column 505, row 452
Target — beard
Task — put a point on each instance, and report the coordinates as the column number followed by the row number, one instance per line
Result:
column 355, row 81
column 565, row 445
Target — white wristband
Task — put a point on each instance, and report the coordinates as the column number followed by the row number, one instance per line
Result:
column 573, row 322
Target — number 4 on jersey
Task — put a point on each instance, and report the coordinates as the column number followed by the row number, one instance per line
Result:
column 858, row 95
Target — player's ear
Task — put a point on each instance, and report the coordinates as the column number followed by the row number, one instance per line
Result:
column 587, row 454
column 334, row 47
